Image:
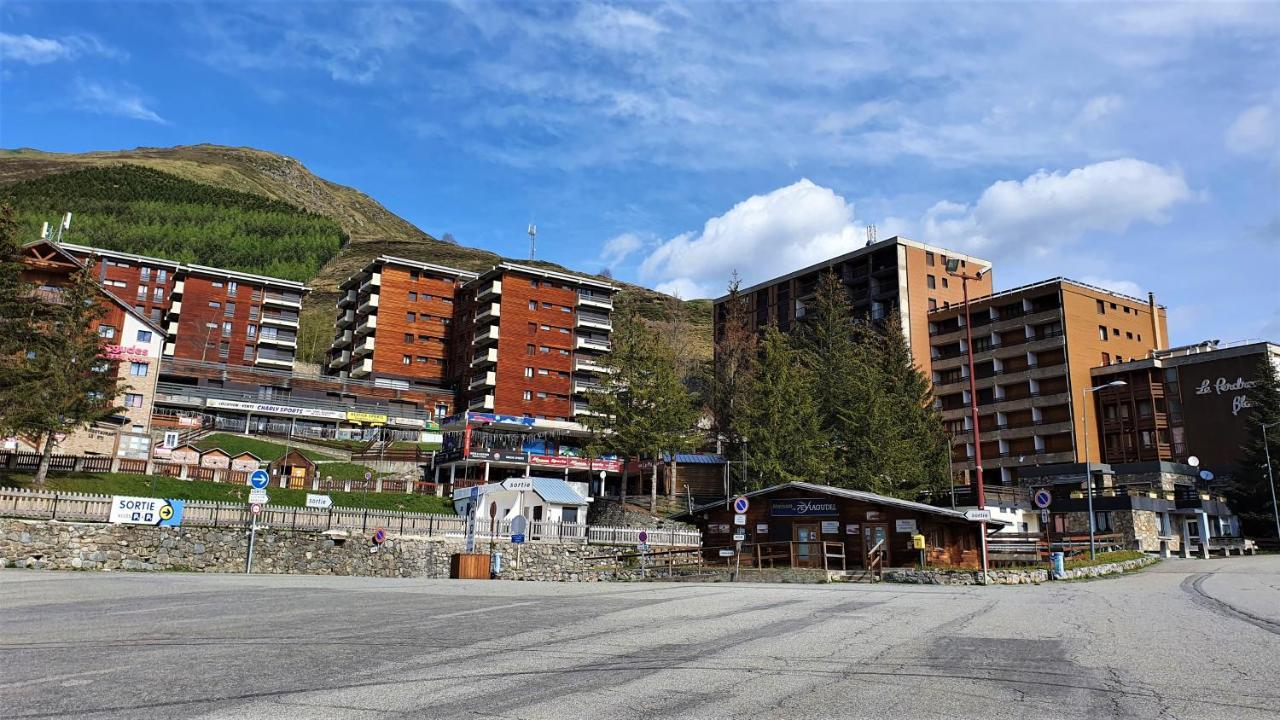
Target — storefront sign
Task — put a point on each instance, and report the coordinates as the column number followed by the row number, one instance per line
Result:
column 120, row 352
column 575, row 463
column 830, row 527
column 363, row 417
column 904, row 526
column 497, row 456
column 802, row 507
column 269, row 409
column 407, row 422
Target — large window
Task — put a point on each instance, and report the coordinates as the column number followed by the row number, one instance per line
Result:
column 132, row 400
column 138, row 369
column 106, row 331
column 144, row 336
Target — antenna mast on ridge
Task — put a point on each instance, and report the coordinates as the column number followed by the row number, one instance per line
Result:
column 533, row 240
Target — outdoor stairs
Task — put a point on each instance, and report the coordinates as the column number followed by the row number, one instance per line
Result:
column 852, row 576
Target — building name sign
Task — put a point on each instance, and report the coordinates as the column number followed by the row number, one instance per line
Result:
column 802, row 507
column 1224, row 387
column 364, row 417
column 120, row 352
column 575, row 463
column 269, row 409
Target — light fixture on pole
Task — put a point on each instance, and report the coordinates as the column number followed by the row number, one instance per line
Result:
column 953, row 269
column 1271, row 481
column 1088, row 467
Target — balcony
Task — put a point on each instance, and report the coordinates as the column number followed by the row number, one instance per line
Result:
column 178, row 287
column 168, row 349
column 172, row 328
column 369, row 325
column 489, row 313
column 339, row 360
column 487, row 335
column 370, row 284
column 592, row 320
column 175, row 308
column 484, row 380
column 289, row 341
column 290, row 300
column 348, row 300
column 280, row 320
column 491, row 289
column 368, row 304
column 274, row 362
column 586, row 343
column 342, row 339
column 481, row 402
column 588, row 299
column 347, row 318
column 488, row 356
column 362, row 368
column 582, row 386
column 587, row 363
column 365, row 347
column 581, row 408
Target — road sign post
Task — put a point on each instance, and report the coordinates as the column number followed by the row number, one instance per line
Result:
column 254, row 509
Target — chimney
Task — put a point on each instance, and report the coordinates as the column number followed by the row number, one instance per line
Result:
column 1155, row 320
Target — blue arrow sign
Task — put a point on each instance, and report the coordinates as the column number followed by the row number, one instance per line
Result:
column 259, row 479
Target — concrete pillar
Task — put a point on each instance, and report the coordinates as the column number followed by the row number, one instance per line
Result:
column 486, row 471
column 1186, row 538
column 1204, row 534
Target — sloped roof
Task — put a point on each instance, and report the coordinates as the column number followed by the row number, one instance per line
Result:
column 849, row 494
column 696, row 458
column 557, row 491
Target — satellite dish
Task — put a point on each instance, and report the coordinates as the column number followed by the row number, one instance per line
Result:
column 1206, row 475
column 1193, row 461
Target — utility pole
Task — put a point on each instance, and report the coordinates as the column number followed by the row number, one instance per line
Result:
column 953, row 269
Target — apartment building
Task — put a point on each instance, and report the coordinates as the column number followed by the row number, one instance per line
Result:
column 1034, row 347
column 132, row 351
column 893, row 275
column 395, row 323
column 208, row 313
column 1180, row 402
column 530, row 342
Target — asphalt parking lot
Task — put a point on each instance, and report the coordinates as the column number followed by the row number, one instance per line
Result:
column 1184, row 639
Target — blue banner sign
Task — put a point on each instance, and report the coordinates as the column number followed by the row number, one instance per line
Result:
column 802, row 507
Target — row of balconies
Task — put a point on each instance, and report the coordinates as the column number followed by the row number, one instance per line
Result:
column 952, row 359
column 941, row 334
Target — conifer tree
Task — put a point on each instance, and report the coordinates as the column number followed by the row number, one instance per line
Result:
column 735, row 358
column 779, row 421
column 1249, row 491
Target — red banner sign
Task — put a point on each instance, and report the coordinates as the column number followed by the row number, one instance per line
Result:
column 575, row 463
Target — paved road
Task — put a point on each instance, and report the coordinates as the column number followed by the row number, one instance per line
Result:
column 1185, row 639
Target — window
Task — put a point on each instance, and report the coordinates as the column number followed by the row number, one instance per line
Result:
column 411, row 317
column 144, row 336
column 1128, row 336
column 1113, row 306
column 414, row 275
column 424, row 338
column 106, row 331
column 138, row 369
column 528, row 394
column 140, row 309
column 1102, row 333
column 408, row 338
column 144, row 274
column 142, row 293
column 132, row 400
column 441, row 410
column 547, row 305
column 928, row 259
column 445, row 321
column 215, row 304
column 253, row 312
column 1146, row 438
column 423, row 359
column 1102, row 522
column 157, row 295
column 406, row 359
column 1102, row 308
column 424, row 298
column 1139, row 337
column 944, row 282
column 528, row 372
column 545, row 327
column 1106, row 358
column 232, row 287
column 248, row 352
column 217, row 283
column 534, row 282
column 565, row 308
column 229, row 310
column 251, row 330
column 930, row 282
column 533, row 328
column 542, row 371
column 1115, row 332
column 542, row 396
column 155, row 314
column 1126, row 309
column 529, row 349
column 533, row 304
column 413, row 296
column 162, row 275
column 544, row 349
column 564, row 352
column 226, row 328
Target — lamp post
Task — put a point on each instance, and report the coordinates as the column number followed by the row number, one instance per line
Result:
column 953, row 269
column 208, row 330
column 1271, row 481
column 1088, row 467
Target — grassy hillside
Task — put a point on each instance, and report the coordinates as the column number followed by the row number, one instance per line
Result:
column 371, row 229
column 139, row 210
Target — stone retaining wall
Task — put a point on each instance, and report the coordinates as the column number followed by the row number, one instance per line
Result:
column 45, row 544
column 1010, row 577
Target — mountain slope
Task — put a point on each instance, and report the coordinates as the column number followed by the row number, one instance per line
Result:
column 371, row 228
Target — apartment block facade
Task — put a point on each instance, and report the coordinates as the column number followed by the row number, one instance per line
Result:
column 893, row 275
column 208, row 314
column 530, row 342
column 1034, row 347
column 1180, row 402
column 395, row 324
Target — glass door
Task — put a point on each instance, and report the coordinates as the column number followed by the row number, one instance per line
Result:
column 873, row 534
column 808, row 548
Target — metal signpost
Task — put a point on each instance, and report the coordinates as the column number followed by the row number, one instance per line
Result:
column 471, row 519
column 254, row 509
column 519, row 524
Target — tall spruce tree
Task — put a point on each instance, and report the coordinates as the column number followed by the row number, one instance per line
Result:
column 779, row 421
column 1249, row 491
column 736, row 347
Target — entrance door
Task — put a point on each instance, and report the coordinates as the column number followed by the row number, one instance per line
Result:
column 873, row 534
column 536, row 525
column 808, row 545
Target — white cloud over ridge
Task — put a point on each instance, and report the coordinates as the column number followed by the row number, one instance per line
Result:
column 122, row 102
column 803, row 224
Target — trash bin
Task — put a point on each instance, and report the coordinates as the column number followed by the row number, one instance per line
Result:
column 495, row 565
column 1057, row 564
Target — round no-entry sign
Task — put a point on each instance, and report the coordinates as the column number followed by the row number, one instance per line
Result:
column 740, row 504
column 255, row 508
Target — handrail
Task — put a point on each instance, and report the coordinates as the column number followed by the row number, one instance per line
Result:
column 875, row 559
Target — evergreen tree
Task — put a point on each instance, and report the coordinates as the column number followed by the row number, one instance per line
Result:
column 59, row 382
column 730, row 377
column 779, row 420
column 1249, row 491
column 15, row 294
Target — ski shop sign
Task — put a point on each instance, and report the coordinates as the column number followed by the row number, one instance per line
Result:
column 146, row 511
column 802, row 507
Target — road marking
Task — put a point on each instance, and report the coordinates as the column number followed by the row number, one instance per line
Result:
column 480, row 610
column 53, row 678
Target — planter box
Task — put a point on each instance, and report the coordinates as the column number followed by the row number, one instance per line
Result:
column 469, row 566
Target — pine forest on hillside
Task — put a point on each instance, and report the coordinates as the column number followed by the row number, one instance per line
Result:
column 138, row 210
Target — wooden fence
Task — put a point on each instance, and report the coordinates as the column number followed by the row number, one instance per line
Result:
column 48, row 505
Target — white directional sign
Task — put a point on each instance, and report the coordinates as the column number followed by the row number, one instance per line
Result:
column 324, row 502
column 978, row 515
column 257, row 497
column 726, row 553
column 518, row 484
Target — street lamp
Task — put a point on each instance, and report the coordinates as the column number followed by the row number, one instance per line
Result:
column 1271, row 481
column 1088, row 467
column 953, row 269
column 209, row 327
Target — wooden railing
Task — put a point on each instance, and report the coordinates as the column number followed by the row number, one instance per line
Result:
column 875, row 560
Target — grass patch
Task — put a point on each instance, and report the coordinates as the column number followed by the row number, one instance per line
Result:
column 348, row 445
column 411, row 445
column 265, row 449
column 1104, row 558
column 345, row 470
column 140, row 485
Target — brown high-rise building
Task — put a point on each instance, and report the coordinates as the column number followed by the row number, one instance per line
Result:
column 395, row 323
column 209, row 314
column 1033, row 350
column 530, row 341
column 893, row 275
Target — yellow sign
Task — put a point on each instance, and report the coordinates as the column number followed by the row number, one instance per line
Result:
column 362, row 417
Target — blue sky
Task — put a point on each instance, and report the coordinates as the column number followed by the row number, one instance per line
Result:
column 1134, row 146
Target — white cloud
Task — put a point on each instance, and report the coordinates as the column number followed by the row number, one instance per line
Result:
column 760, row 237
column 41, row 51
column 121, row 102
column 1099, row 107
column 1253, row 131
column 1124, row 287
column 619, row 248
